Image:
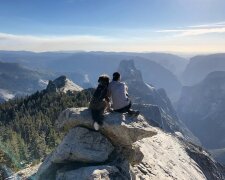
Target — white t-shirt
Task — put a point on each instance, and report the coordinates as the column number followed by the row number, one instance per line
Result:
column 118, row 91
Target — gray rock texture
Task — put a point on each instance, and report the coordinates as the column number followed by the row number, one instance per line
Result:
column 62, row 84
column 210, row 168
column 79, row 145
column 83, row 145
column 119, row 129
column 152, row 154
column 91, row 173
column 48, row 169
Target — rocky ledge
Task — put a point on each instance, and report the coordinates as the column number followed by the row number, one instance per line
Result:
column 124, row 148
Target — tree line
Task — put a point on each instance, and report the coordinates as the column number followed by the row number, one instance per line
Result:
column 27, row 125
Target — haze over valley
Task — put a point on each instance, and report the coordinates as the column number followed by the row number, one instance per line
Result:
column 55, row 123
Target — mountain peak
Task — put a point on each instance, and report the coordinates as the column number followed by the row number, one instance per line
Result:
column 63, row 84
column 129, row 71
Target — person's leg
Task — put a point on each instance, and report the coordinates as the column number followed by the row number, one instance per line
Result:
column 131, row 111
column 97, row 117
column 127, row 109
column 94, row 115
column 124, row 109
column 100, row 117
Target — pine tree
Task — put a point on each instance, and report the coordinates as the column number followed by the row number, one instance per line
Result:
column 27, row 125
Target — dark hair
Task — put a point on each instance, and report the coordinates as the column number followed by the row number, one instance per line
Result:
column 116, row 76
column 103, row 79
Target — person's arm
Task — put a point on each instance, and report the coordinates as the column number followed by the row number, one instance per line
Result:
column 108, row 95
column 108, row 99
column 126, row 87
column 126, row 90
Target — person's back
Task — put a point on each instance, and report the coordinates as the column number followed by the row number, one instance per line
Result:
column 118, row 92
column 100, row 101
column 99, row 95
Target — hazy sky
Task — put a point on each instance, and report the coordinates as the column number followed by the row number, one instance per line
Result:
column 113, row 25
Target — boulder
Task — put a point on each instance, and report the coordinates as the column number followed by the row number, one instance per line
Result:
column 119, row 128
column 141, row 151
column 83, row 145
column 103, row 172
column 86, row 146
column 79, row 145
column 48, row 169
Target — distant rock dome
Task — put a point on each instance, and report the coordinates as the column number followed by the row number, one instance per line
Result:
column 63, row 84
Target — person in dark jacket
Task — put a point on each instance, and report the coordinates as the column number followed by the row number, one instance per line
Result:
column 100, row 101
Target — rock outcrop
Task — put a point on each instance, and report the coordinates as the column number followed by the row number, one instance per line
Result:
column 83, row 145
column 89, row 148
column 62, row 84
column 151, row 100
column 92, row 172
column 132, row 129
column 132, row 150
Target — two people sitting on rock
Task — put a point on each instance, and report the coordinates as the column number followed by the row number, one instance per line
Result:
column 117, row 91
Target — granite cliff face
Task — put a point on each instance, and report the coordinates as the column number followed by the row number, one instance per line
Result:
column 159, row 108
column 201, row 107
column 124, row 148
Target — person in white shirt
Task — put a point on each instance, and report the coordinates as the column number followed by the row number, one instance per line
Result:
column 118, row 91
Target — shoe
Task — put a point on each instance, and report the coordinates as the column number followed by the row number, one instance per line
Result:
column 96, row 126
column 111, row 110
column 137, row 113
column 134, row 113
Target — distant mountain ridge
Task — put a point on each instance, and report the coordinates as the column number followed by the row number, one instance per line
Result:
column 85, row 67
column 201, row 107
column 200, row 66
column 173, row 63
column 16, row 80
